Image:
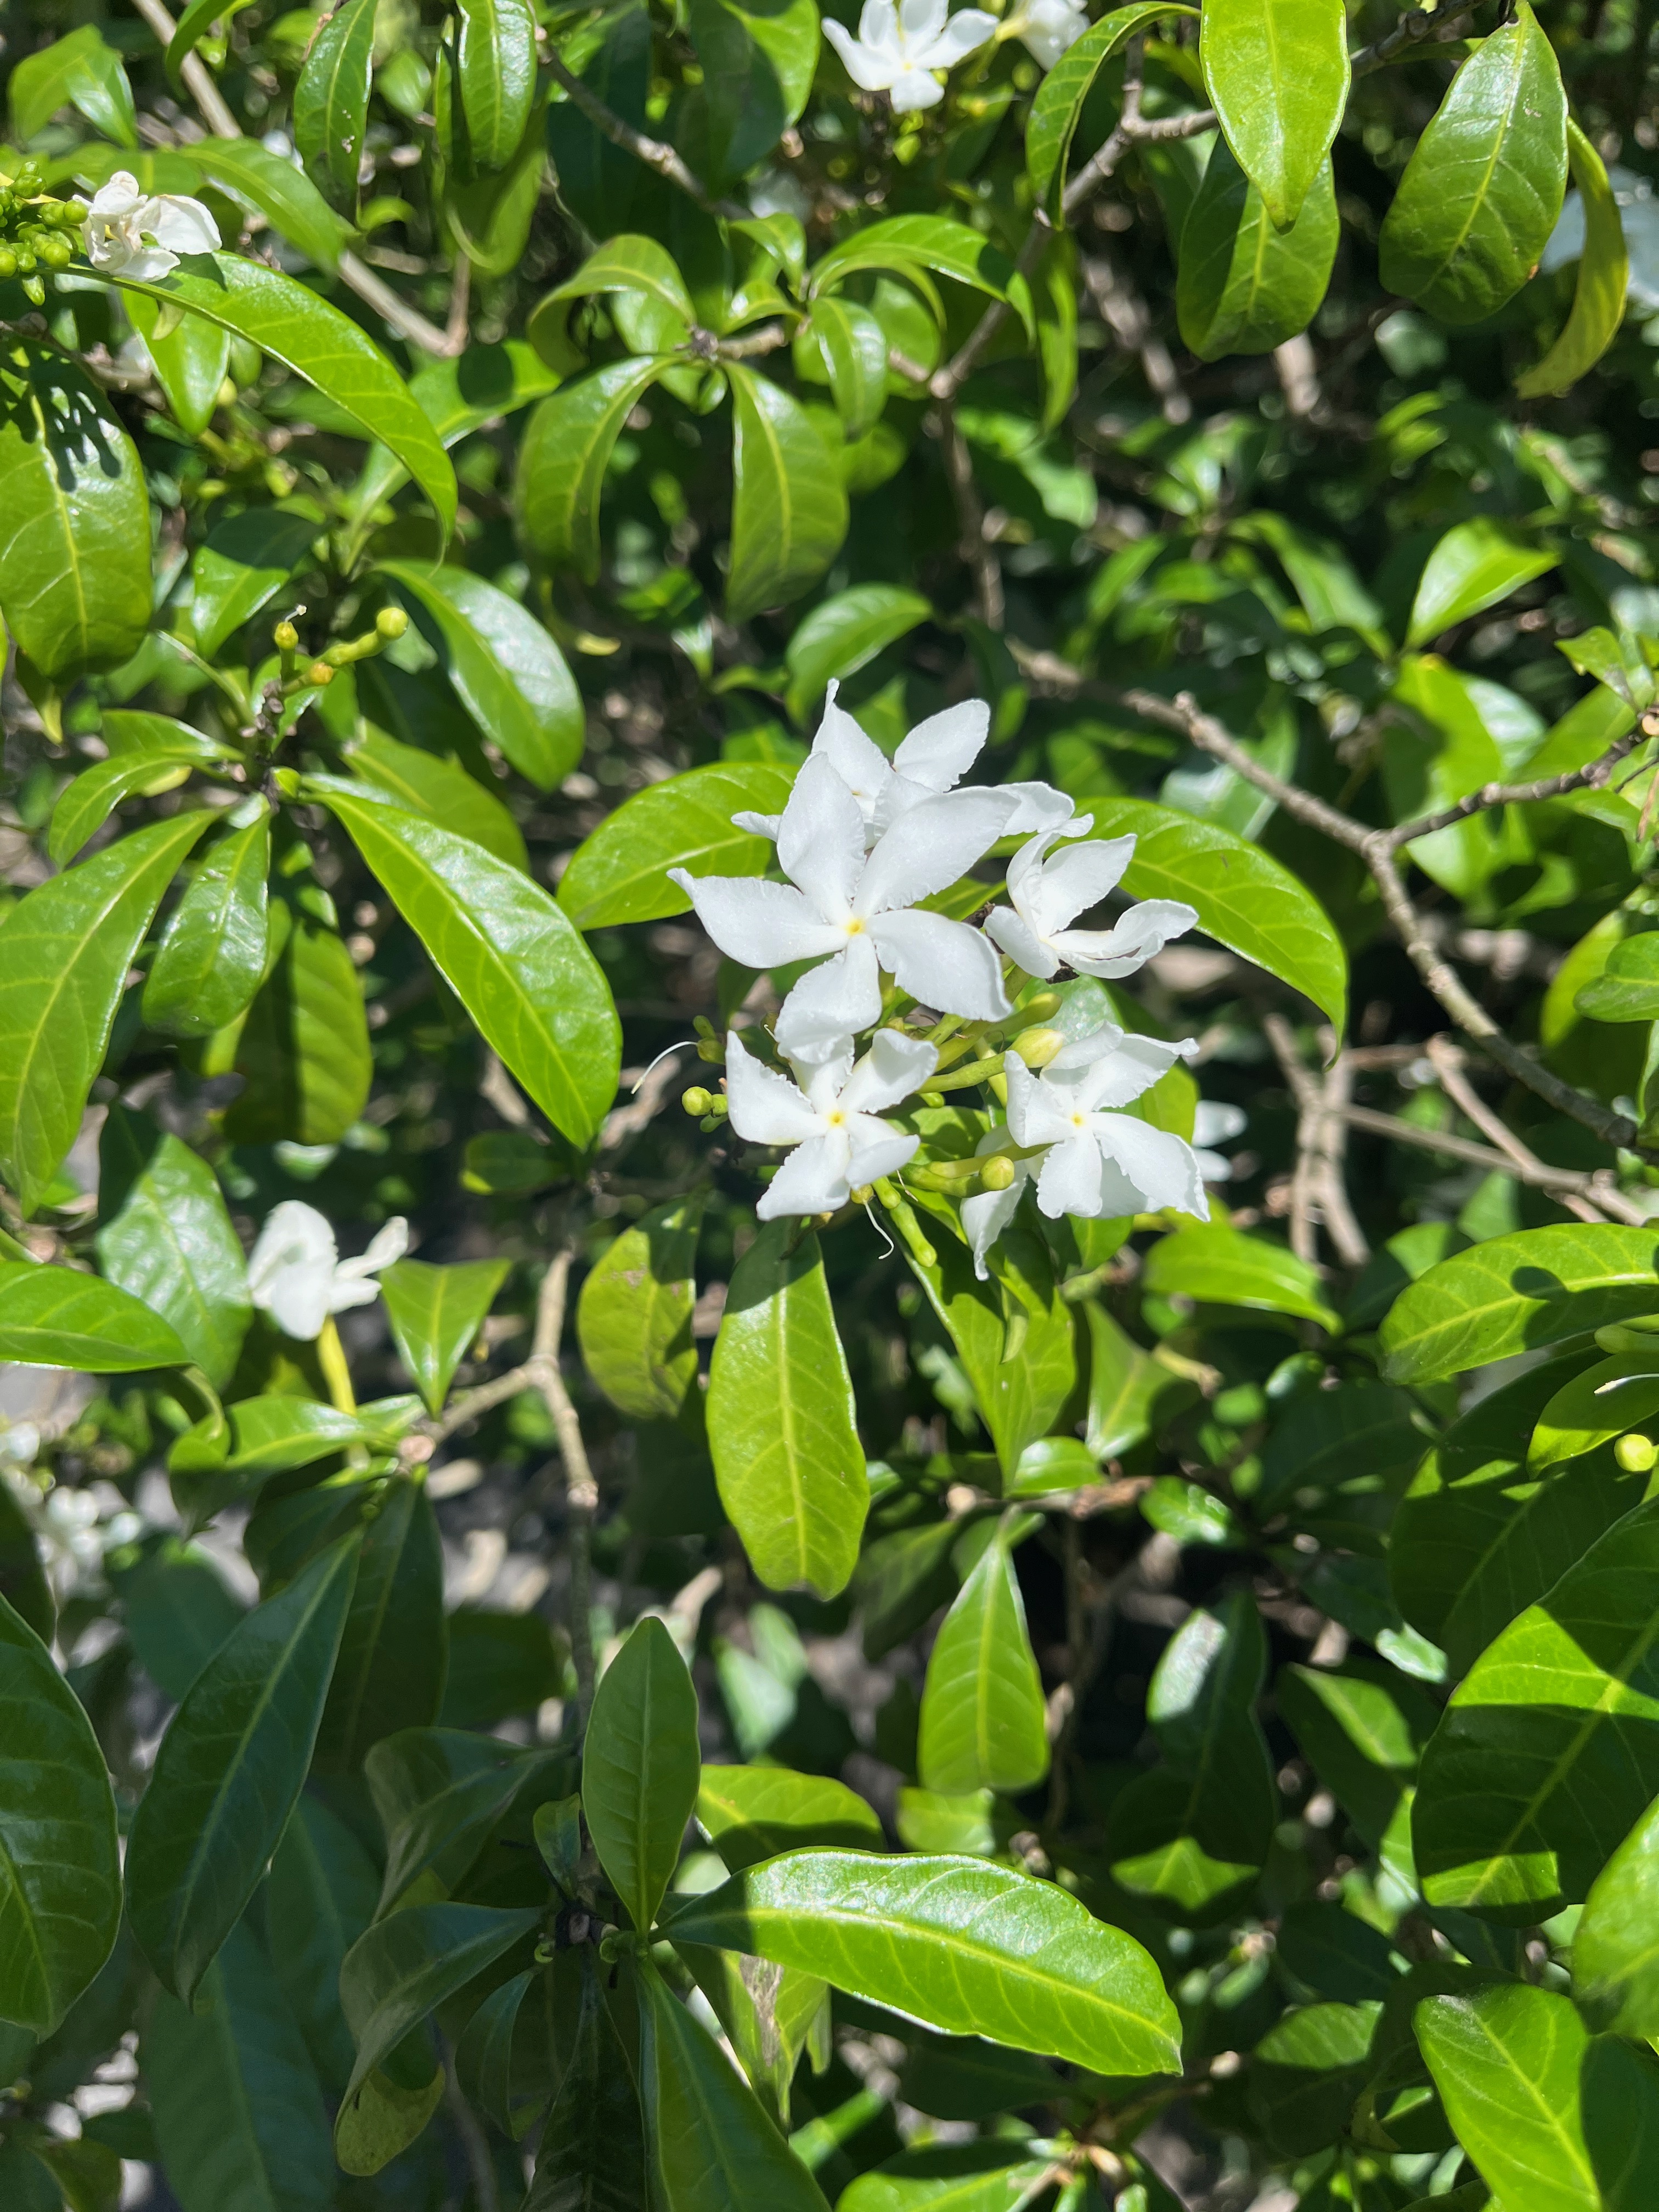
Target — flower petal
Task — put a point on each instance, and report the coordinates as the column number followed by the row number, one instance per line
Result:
column 1144, row 931
column 1162, row 1168
column 760, row 924
column 389, row 1244
column 894, row 1066
column 877, row 1149
column 811, row 1180
column 821, row 838
column 878, row 29
column 926, row 849
column 1020, row 941
column 985, row 1216
column 969, row 27
column 757, row 825
column 764, row 1106
column 939, row 752
column 828, row 1007
column 912, row 90
column 182, row 225
column 1041, row 807
column 859, row 761
column 117, row 197
column 1218, row 1122
column 1079, row 877
column 942, row 963
column 1036, row 1113
column 920, row 22
column 871, row 69
column 1117, row 1078
column 1069, row 1180
column 294, row 1235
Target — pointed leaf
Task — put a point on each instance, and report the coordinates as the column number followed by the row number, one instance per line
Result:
column 495, row 73
column 1598, row 299
column 982, row 1716
column 1507, row 2062
column 211, row 956
column 845, row 633
column 398, row 1970
column 752, row 1812
column 788, row 506
column 620, row 872
column 394, row 1649
column 639, row 1767
column 87, row 803
column 1277, row 75
column 1615, row 1950
column 438, row 1792
column 330, row 98
column 1219, row 1264
column 1060, row 97
column 167, row 1238
column 268, row 184
column 427, row 783
column 435, row 1313
column 1244, row 287
column 302, row 1047
column 593, row 2150
column 1475, row 564
column 242, row 564
column 57, row 1317
column 566, row 450
column 633, row 1317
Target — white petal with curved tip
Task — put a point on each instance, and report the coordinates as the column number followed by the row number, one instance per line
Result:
column 942, row 963
column 1069, row 1181
column 757, row 825
column 1143, row 931
column 764, row 1106
column 939, row 752
column 811, row 1180
column 920, row 22
column 821, row 839
column 914, row 90
column 894, row 1066
column 182, row 225
column 830, row 1004
column 1118, row 1079
column 763, row 925
column 1020, row 942
column 968, row 29
column 878, row 1150
column 1078, row 877
column 926, row 849
column 870, row 69
column 1163, row 1168
column 1041, row 807
column 859, row 761
column 985, row 1216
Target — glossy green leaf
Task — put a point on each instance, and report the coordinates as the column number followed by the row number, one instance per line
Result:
column 57, row 1317
column 983, row 1723
column 752, row 1812
column 1507, row 2063
column 1055, row 112
column 620, row 872
column 60, row 1876
column 507, row 951
column 507, row 671
column 788, row 507
column 241, row 565
column 968, row 2177
column 592, row 2154
column 166, row 1237
column 190, row 361
column 1615, row 1948
column 567, row 447
column 757, row 63
column 23, row 1584
column 435, row 1313
column 768, row 2014
column 780, row 1418
column 1244, row 287
column 1592, row 1408
column 194, row 23
column 397, row 1972
column 266, row 183
column 1245, row 900
column 639, row 1767
column 1215, row 1264
column 1598, row 299
column 634, row 1316
column 79, row 71
column 1129, row 1391
column 845, row 633
column 302, row 1046
column 229, row 1769
column 903, row 242
column 438, row 1792
column 427, row 783
column 394, row 1649
column 177, row 1609
column 1475, row 564
column 961, row 1945
column 496, row 72
column 1483, row 189
column 75, row 521
column 1548, row 1751
column 210, row 958
column 1362, row 1728
column 1277, row 75
column 330, row 98
column 1514, row 1294
column 1627, row 988
column 850, row 348
column 659, row 309
column 87, row 803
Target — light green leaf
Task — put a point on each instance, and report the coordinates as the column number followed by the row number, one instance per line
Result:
column 495, row 73
column 507, row 671
column 967, row 2177
column 905, row 242
column 166, row 1237
column 210, row 958
column 123, row 731
column 562, row 459
column 639, row 1767
column 401, row 1968
column 1592, row 1408
column 190, row 361
column 242, row 564
column 634, row 1316
column 1483, row 190
column 230, row 1766
column 60, row 1878
column 1507, row 2062
column 68, row 946
column 435, row 1313
column 844, row 634
column 1277, row 75
column 77, row 71
column 302, row 1047
column 87, row 803
column 330, row 98
column 780, row 1418
column 1598, row 299
column 965, row 1947
column 195, row 21
column 788, row 506
column 1216, row 1264
column 394, row 1649
column 752, row 1812
column 620, row 872
column 511, row 956
column 982, row 1714
column 57, row 1317
column 1615, row 1950
column 1060, row 98
column 267, row 184
column 1627, row 988
column 441, row 789
column 1244, row 287
column 769, row 2013
column 1475, row 564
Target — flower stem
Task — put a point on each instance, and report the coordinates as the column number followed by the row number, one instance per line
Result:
column 331, row 1357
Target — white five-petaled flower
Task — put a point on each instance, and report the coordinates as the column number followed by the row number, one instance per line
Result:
column 860, row 908
column 1101, row 1162
column 829, row 1116
column 931, row 761
column 296, row 1275
column 898, row 48
column 1046, row 28
column 1048, row 890
column 139, row 234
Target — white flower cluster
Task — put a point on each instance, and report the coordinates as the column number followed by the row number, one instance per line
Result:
column 864, row 842
column 899, row 49
column 133, row 234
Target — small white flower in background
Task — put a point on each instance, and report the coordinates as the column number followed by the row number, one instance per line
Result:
column 1048, row 890
column 988, row 1212
column 829, row 1115
column 1046, row 28
column 20, row 1443
column 1216, row 1123
column 296, row 1275
column 840, row 902
column 141, row 235
column 1101, row 1162
column 898, row 49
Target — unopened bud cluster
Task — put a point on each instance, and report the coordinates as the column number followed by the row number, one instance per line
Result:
column 390, row 624
column 37, row 231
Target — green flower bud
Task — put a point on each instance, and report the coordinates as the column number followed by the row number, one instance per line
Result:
column 696, row 1102
column 1036, row 1047
column 390, row 623
column 997, row 1173
column 1636, row 1453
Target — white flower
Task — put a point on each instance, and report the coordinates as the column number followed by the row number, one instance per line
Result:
column 1048, row 893
column 898, row 49
column 1215, row 1122
column 129, row 233
column 932, row 760
column 296, row 1275
column 1047, row 27
column 988, row 1212
column 1099, row 1162
column 839, row 900
column 829, row 1116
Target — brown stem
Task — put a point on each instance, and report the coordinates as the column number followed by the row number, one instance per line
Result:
column 654, row 152
column 977, row 549
column 1521, row 794
column 1596, row 1185
column 1446, row 1062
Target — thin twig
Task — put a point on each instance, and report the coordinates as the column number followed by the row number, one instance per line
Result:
column 1309, row 1098
column 1341, row 1222
column 654, row 152
column 1446, row 1062
column 976, row 548
column 1596, row 1186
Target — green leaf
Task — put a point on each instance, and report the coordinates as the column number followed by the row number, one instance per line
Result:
column 752, row 1812
column 438, row 1792
column 238, row 2114
column 1245, row 899
column 1277, row 76
column 1362, row 1728
column 177, row 1612
column 757, row 61
column 620, row 872
column 1244, row 287
column 302, row 1047
column 394, row 1649
column 593, row 2155
column 190, row 361
column 1514, row 1294
column 634, row 1316
column 768, row 2014
column 851, row 351
column 269, row 184
column 1598, row 299
column 906, row 242
column 660, row 311
column 229, row 1769
column 441, row 789
column 60, row 1877
column 1055, row 112
column 75, row 537
column 982, row 1714
column 501, row 1664
column 967, row 2177
column 316, row 342
column 399, row 1969
column 56, row 1317
column 330, row 98
column 387, row 2117
column 496, row 72
column 506, row 670
column 562, row 459
column 1507, row 2063
column 1475, row 564
column 1483, row 189
column 845, row 633
column 1216, row 1264
column 712, row 2146
column 194, row 23
column 126, row 731
column 211, row 956
column 788, row 504
column 639, row 1767
column 241, row 565
column 167, row 1238
column 23, row 1584
column 960, row 1945
column 1130, row 1391
column 1548, row 1753
column 1591, row 1408
column 87, row 803
column 435, row 1313
column 1615, row 1950
column 510, row 955
column 780, row 1418
column 1627, row 988
column 79, row 71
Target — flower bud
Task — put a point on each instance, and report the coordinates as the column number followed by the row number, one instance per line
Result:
column 390, row 623
column 35, row 288
column 696, row 1101
column 73, row 212
column 997, row 1173
column 56, row 252
column 8, row 262
column 1036, row 1047
column 287, row 781
column 1636, row 1453
column 320, row 673
column 286, row 636
column 1041, row 1006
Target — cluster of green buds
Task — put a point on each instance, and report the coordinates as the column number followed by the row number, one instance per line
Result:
column 37, row 231
column 390, row 624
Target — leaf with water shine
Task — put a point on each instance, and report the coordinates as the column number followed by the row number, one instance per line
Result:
column 639, row 1767
column 1277, row 75
column 983, row 1720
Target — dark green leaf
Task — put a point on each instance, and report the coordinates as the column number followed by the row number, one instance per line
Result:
column 302, row 1047
column 1615, row 1950
column 394, row 1650
column 241, row 566
column 318, row 1900
column 330, row 98
column 1060, row 98
column 211, row 956
column 435, row 1313
column 177, row 1611
column 566, row 448
column 438, row 1792
column 1278, row 79
column 1515, row 1294
column 982, row 1714
column 639, row 1767
column 593, row 2150
column 23, row 1584
column 1362, row 1728
column 500, row 1664
column 757, row 63
column 633, row 1317
column 57, row 1317
column 620, row 872
column 399, row 1969
column 788, row 507
column 1244, row 286
column 495, row 72
column 166, row 1237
